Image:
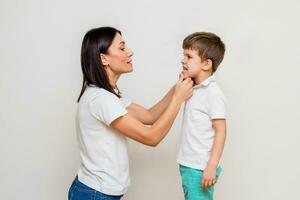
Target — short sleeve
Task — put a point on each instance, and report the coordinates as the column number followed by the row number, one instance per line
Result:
column 126, row 102
column 217, row 105
column 107, row 108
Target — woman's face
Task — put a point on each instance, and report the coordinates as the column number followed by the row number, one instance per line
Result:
column 119, row 56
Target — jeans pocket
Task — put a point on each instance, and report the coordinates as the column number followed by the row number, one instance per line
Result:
column 79, row 193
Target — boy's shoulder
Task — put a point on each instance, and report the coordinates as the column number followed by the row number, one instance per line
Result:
column 207, row 96
column 207, row 92
column 214, row 93
column 214, row 89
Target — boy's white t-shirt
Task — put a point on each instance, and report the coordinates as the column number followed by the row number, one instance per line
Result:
column 197, row 134
column 103, row 151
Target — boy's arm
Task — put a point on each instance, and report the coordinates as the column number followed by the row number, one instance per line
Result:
column 209, row 174
column 149, row 116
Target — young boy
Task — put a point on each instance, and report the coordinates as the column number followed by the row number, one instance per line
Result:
column 204, row 127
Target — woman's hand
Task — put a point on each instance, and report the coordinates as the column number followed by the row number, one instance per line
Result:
column 183, row 88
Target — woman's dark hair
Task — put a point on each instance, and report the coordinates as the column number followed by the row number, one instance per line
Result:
column 95, row 42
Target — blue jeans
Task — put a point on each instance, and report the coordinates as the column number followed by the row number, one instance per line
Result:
column 79, row 191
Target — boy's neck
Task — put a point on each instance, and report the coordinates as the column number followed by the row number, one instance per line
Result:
column 202, row 77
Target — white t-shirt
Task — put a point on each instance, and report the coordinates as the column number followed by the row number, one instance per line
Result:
column 103, row 151
column 197, row 134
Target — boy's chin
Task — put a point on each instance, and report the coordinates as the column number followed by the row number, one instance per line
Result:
column 185, row 76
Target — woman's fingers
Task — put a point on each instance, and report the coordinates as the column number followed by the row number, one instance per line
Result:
column 181, row 78
column 184, row 88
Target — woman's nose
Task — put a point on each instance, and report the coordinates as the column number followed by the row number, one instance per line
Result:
column 130, row 53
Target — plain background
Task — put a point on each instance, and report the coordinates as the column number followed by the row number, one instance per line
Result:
column 40, row 80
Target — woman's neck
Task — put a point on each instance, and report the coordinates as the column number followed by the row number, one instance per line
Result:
column 112, row 77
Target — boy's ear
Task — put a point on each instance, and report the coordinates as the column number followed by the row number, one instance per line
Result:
column 104, row 59
column 208, row 64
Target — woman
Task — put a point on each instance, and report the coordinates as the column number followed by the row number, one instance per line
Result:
column 105, row 120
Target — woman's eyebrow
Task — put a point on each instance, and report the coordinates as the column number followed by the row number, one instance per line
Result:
column 122, row 42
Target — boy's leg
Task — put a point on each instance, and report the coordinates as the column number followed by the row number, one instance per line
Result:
column 191, row 184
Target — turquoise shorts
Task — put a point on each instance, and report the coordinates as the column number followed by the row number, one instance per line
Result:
column 191, row 184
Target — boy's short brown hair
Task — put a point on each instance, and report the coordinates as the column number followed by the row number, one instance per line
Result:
column 208, row 45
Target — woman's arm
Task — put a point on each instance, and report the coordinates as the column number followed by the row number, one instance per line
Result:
column 149, row 116
column 135, row 129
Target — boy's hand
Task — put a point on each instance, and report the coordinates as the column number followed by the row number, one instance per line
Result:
column 209, row 177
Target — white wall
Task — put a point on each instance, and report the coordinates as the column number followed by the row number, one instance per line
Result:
column 40, row 79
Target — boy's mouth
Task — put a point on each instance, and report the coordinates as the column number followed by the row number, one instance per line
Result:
column 184, row 70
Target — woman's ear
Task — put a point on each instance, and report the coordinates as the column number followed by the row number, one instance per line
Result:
column 104, row 59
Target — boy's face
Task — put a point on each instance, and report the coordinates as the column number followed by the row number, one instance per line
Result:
column 191, row 63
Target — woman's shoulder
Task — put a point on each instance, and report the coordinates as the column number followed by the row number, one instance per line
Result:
column 94, row 92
